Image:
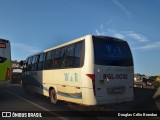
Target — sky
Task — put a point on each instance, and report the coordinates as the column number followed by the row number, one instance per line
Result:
column 35, row 25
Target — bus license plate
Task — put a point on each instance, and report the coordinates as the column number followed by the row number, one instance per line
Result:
column 115, row 90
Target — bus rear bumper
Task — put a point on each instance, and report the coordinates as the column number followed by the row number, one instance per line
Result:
column 117, row 101
column 5, row 84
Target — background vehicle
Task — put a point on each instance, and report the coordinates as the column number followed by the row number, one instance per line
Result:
column 90, row 70
column 16, row 76
column 5, row 63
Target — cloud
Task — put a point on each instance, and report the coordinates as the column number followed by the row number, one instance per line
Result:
column 122, row 34
column 122, row 7
column 99, row 32
column 111, row 30
column 153, row 45
column 136, row 40
column 136, row 36
column 119, row 35
column 25, row 47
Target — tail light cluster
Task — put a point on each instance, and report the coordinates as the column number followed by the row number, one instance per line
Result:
column 8, row 74
column 92, row 76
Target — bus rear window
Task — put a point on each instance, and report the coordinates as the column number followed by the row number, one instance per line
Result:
column 112, row 52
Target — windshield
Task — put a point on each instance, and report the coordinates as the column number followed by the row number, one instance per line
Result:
column 4, row 50
column 112, row 52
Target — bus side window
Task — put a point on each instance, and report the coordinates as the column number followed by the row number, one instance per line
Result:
column 29, row 63
column 52, row 60
column 41, row 61
column 48, row 61
column 61, row 58
column 26, row 68
column 57, row 58
column 77, row 54
column 69, row 56
column 34, row 62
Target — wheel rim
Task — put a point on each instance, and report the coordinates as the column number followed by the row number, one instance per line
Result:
column 53, row 97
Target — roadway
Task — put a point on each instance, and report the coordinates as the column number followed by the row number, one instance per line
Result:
column 15, row 99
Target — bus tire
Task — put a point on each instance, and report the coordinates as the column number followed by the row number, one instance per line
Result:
column 53, row 96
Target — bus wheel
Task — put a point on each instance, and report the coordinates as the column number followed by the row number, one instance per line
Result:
column 53, row 96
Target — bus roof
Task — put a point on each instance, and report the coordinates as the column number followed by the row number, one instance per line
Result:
column 82, row 38
column 109, row 37
column 76, row 40
column 70, row 42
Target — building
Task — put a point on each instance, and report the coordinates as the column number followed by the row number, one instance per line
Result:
column 158, row 78
column 138, row 77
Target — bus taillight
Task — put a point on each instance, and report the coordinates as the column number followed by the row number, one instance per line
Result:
column 92, row 76
column 8, row 73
